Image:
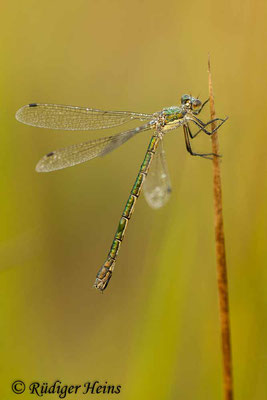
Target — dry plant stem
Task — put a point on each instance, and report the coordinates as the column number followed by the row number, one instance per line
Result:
column 221, row 259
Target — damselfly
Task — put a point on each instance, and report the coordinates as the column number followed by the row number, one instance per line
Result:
column 157, row 185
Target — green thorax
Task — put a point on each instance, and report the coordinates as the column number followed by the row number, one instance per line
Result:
column 173, row 113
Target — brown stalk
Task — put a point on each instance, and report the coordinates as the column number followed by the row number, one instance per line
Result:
column 221, row 258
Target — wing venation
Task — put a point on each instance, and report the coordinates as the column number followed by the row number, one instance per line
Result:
column 79, row 153
column 157, row 185
column 55, row 116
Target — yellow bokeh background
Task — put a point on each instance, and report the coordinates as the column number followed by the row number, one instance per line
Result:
column 155, row 330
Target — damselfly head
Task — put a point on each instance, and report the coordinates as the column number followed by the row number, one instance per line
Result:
column 191, row 102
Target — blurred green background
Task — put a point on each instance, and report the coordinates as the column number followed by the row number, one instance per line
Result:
column 155, row 330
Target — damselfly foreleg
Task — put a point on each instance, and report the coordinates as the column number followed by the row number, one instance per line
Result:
column 202, row 126
column 193, row 135
column 201, row 108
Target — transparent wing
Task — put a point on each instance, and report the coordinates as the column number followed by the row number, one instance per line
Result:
column 157, row 185
column 74, row 118
column 79, row 153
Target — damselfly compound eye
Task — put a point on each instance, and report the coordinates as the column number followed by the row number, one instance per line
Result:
column 196, row 104
column 185, row 98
